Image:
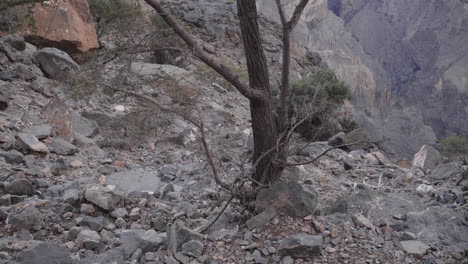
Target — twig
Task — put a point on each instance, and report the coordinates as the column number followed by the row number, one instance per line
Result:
column 218, row 216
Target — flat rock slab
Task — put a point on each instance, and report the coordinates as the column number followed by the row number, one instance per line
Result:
column 136, row 180
column 45, row 253
column 301, row 246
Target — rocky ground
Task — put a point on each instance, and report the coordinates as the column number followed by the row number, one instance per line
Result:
column 76, row 188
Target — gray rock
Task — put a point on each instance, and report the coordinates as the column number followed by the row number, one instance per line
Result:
column 427, row 158
column 55, row 63
column 88, row 238
column 72, row 234
column 13, row 157
column 178, row 234
column 121, row 223
column 414, row 248
column 261, row 219
column 289, row 197
column 445, row 171
column 137, row 255
column 46, row 86
column 72, row 196
column 45, row 253
column 149, row 71
column 301, row 246
column 29, row 218
column 15, row 41
column 83, row 125
column 94, row 223
column 102, row 197
column 20, row 187
column 193, row 248
column 147, row 241
column 62, row 147
column 119, row 213
column 39, row 131
column 3, row 214
column 24, row 72
column 337, row 140
column 30, row 142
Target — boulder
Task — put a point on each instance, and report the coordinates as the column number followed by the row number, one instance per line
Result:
column 82, row 125
column 301, row 246
column 102, row 197
column 414, row 247
column 150, row 71
column 57, row 115
column 13, row 156
column 337, row 139
column 357, row 135
column 20, row 187
column 46, row 86
column 87, row 238
column 39, row 131
column 445, row 171
column 193, row 248
column 147, row 241
column 426, row 158
column 68, row 26
column 62, row 147
column 29, row 219
column 12, row 46
column 30, row 142
column 289, row 197
column 261, row 219
column 178, row 234
column 56, row 64
column 45, row 253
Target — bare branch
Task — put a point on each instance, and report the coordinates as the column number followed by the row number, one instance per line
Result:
column 297, row 13
column 203, row 56
column 281, row 12
column 330, row 149
column 218, row 216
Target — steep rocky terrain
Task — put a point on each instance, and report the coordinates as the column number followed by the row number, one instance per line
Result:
column 406, row 60
column 100, row 177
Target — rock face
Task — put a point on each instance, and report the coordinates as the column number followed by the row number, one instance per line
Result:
column 408, row 76
column 67, row 25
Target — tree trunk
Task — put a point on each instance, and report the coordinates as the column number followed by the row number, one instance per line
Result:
column 265, row 132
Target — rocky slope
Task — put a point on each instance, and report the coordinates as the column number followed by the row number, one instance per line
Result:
column 76, row 187
column 407, row 62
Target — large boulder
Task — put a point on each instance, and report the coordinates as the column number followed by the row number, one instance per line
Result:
column 445, row 171
column 289, row 197
column 56, row 64
column 29, row 219
column 45, row 253
column 67, row 25
column 57, row 115
column 427, row 158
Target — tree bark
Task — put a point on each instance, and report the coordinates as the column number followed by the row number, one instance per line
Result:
column 265, row 132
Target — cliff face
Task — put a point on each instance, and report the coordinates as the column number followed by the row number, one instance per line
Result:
column 407, row 62
column 423, row 47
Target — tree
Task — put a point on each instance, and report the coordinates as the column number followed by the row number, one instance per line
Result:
column 270, row 123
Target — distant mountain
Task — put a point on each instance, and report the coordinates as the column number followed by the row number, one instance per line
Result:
column 406, row 60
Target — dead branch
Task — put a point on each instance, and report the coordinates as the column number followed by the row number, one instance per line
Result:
column 330, row 149
column 198, row 51
column 218, row 216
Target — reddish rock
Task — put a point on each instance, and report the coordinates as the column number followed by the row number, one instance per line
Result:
column 68, row 26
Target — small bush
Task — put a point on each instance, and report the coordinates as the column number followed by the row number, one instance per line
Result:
column 319, row 97
column 106, row 12
column 158, row 22
column 454, row 146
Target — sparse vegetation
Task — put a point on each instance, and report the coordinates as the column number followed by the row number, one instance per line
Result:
column 319, row 98
column 455, row 147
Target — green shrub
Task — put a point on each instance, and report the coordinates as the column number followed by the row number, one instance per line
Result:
column 158, row 22
column 318, row 98
column 454, row 146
